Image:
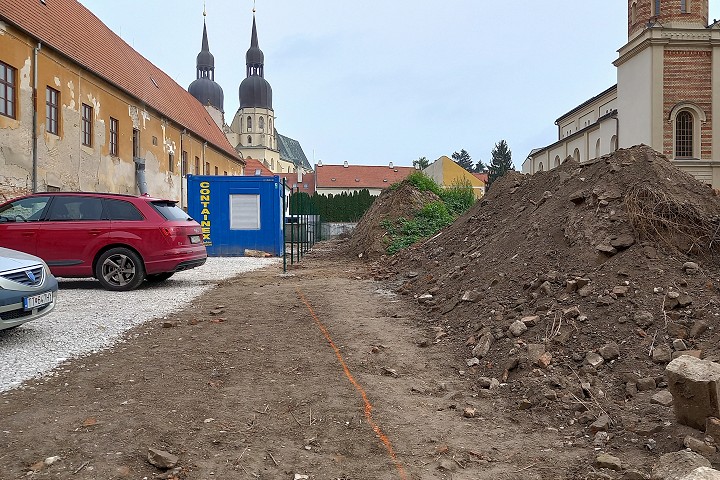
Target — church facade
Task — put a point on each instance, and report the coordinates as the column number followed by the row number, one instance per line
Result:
column 252, row 131
column 667, row 94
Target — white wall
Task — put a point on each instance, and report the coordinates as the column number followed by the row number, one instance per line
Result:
column 635, row 100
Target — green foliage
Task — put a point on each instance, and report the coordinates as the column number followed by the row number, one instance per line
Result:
column 463, row 159
column 421, row 163
column 433, row 217
column 458, row 197
column 342, row 207
column 501, row 161
column 422, row 182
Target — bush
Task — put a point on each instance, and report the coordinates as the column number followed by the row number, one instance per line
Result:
column 434, row 216
column 458, row 197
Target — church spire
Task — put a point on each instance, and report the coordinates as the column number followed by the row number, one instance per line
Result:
column 255, row 58
column 204, row 87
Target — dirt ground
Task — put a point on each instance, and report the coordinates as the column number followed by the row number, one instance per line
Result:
column 245, row 384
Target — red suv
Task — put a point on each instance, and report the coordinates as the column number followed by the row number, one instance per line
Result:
column 119, row 239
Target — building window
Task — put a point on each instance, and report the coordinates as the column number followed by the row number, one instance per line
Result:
column 197, row 166
column 217, row 171
column 52, row 99
column 114, row 127
column 249, row 140
column 657, row 8
column 613, row 143
column 597, row 148
column 683, row 6
column 576, row 155
column 171, row 162
column 540, row 168
column 225, row 173
column 261, row 123
column 633, row 13
column 557, row 160
column 7, row 90
column 184, row 166
column 87, row 113
column 249, row 124
column 684, row 135
column 207, row 168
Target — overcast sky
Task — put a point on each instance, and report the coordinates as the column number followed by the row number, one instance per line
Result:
column 377, row 81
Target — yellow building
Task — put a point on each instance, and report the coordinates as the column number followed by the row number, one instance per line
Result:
column 447, row 173
column 81, row 110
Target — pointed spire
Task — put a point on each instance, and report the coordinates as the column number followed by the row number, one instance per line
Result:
column 205, row 46
column 254, row 39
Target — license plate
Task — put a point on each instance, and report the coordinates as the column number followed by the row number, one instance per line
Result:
column 195, row 239
column 37, row 300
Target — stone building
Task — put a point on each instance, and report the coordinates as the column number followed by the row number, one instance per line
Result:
column 667, row 94
column 94, row 115
column 252, row 131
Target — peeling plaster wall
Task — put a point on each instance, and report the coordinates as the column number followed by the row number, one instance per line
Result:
column 63, row 161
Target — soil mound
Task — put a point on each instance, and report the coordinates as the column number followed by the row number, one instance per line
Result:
column 369, row 237
column 577, row 286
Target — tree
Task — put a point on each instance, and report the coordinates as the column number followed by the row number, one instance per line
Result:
column 501, row 161
column 421, row 163
column 463, row 159
column 480, row 167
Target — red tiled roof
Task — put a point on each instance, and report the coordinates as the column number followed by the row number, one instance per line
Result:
column 307, row 179
column 481, row 176
column 251, row 165
column 72, row 30
column 359, row 176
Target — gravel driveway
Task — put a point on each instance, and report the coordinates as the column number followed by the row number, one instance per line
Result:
column 88, row 318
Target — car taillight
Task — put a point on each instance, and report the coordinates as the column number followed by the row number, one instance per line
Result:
column 170, row 232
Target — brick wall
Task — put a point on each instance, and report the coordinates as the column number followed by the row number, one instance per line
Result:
column 669, row 11
column 687, row 78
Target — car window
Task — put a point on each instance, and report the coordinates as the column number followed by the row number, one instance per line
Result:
column 170, row 211
column 24, row 210
column 75, row 208
column 122, row 210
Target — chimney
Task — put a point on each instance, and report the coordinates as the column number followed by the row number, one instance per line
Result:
column 391, row 165
column 345, row 164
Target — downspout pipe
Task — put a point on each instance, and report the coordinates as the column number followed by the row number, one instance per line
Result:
column 35, row 120
column 183, row 166
column 140, row 175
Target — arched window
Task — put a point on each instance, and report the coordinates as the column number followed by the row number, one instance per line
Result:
column 249, row 140
column 597, row 149
column 261, row 123
column 557, row 160
column 684, row 135
column 576, row 155
column 613, row 143
column 633, row 13
column 249, row 124
column 270, row 129
column 540, row 167
column 656, row 11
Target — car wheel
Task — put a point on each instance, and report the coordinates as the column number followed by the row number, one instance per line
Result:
column 120, row 269
column 159, row 277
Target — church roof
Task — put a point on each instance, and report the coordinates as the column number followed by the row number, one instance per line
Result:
column 255, row 91
column 72, row 30
column 291, row 151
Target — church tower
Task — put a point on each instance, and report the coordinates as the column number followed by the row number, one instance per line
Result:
column 253, row 127
column 669, row 84
column 204, row 88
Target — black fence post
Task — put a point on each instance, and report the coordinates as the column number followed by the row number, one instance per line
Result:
column 292, row 229
column 284, row 206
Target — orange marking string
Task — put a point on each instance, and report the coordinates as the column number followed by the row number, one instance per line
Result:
column 368, row 406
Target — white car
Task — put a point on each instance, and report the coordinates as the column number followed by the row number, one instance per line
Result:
column 27, row 288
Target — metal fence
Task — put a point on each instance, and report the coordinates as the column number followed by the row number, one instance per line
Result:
column 301, row 230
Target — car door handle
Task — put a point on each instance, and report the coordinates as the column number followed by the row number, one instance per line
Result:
column 27, row 234
column 94, row 231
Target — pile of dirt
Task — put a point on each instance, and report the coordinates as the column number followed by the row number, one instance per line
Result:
column 369, row 239
column 574, row 288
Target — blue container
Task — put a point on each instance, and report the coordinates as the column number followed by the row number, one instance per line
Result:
column 237, row 213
